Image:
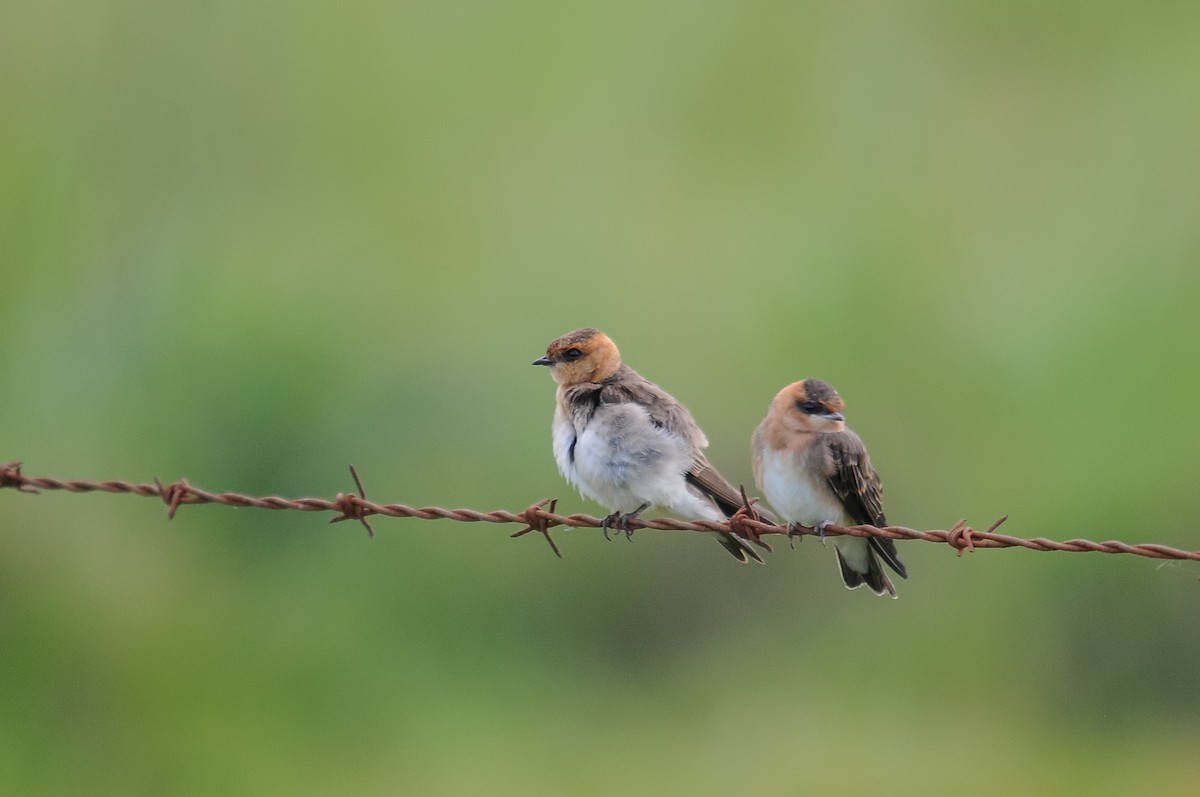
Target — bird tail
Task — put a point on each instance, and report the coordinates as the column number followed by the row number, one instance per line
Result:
column 861, row 564
column 741, row 549
column 718, row 500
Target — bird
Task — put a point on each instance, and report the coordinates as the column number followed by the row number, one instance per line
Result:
column 815, row 471
column 627, row 444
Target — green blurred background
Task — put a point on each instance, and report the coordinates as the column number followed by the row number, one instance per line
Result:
column 248, row 244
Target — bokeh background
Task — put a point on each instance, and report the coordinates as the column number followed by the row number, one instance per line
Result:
column 248, row 244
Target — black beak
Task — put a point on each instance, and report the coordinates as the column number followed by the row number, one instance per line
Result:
column 542, row 361
column 835, row 416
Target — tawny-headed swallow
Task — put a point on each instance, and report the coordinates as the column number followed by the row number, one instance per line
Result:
column 815, row 471
column 627, row 444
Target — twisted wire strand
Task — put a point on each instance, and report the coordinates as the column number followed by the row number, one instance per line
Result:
column 541, row 517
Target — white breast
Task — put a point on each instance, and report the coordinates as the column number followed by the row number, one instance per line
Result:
column 795, row 493
column 620, row 459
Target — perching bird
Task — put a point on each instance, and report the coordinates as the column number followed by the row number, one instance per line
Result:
column 815, row 471
column 625, row 443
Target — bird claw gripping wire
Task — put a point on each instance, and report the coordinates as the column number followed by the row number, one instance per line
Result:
column 622, row 522
column 535, row 521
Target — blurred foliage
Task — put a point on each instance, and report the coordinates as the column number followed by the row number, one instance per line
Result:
column 250, row 243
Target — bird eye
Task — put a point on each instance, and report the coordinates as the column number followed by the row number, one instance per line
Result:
column 572, row 354
column 809, row 407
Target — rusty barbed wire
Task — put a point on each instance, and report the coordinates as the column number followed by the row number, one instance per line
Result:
column 541, row 517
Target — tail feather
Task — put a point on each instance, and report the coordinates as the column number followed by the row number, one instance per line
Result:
column 741, row 549
column 886, row 547
column 875, row 579
column 722, row 501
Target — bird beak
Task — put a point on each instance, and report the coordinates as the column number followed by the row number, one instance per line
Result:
column 542, row 361
column 835, row 416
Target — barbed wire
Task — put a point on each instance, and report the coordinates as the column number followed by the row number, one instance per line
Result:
column 541, row 517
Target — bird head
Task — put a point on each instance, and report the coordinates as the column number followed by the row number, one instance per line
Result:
column 585, row 355
column 811, row 405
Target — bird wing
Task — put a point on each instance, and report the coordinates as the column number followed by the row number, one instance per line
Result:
column 627, row 385
column 665, row 412
column 858, row 487
column 852, row 478
column 708, row 480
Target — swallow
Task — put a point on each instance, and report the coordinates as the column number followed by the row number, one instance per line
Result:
column 627, row 444
column 815, row 471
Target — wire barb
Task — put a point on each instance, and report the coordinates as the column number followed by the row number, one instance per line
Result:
column 175, row 495
column 745, row 522
column 536, row 520
column 961, row 537
column 541, row 519
column 10, row 476
column 352, row 506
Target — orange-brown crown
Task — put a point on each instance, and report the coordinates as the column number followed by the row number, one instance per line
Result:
column 585, row 355
column 810, row 405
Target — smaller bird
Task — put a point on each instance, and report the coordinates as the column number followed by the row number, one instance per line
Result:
column 627, row 444
column 815, row 472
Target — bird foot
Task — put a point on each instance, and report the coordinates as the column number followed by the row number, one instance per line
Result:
column 621, row 522
column 625, row 520
column 819, row 528
column 792, row 533
column 607, row 522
